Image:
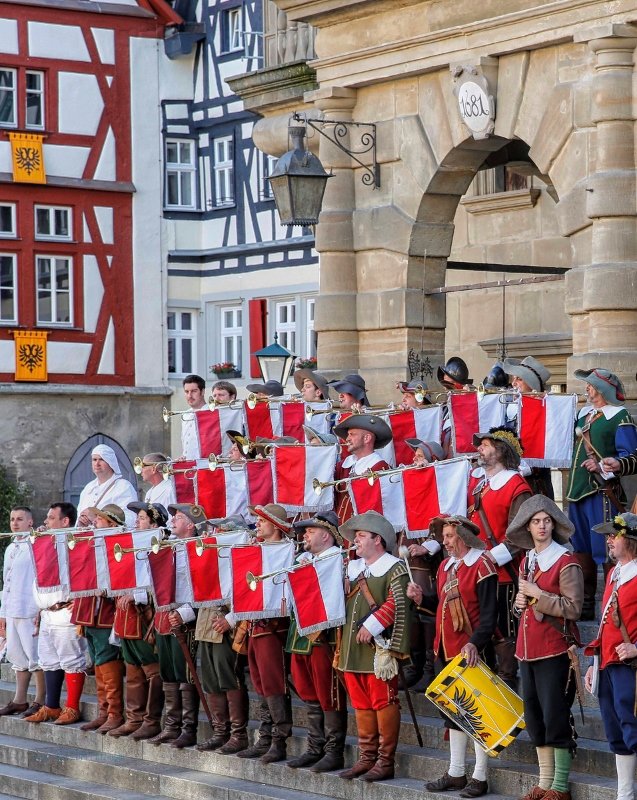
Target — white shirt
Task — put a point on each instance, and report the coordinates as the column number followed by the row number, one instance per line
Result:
column 190, row 445
column 163, row 493
column 116, row 490
column 361, row 465
column 16, row 598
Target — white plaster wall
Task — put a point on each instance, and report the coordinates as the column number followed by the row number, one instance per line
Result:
column 105, row 43
column 107, row 361
column 93, row 293
column 65, row 161
column 9, row 36
column 70, row 357
column 80, row 103
column 57, row 41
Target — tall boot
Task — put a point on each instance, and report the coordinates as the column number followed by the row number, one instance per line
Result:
column 136, row 699
column 113, row 672
column 239, row 705
column 388, row 730
column 102, row 703
column 151, row 724
column 507, row 662
column 281, row 713
column 589, row 570
column 189, row 716
column 218, row 705
column 335, row 733
column 172, row 718
column 315, row 737
column 262, row 745
column 367, row 728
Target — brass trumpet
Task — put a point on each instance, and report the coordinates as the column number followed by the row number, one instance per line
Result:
column 168, row 469
column 312, row 412
column 166, row 414
column 138, row 464
column 72, row 538
column 252, row 400
column 119, row 551
column 339, row 485
column 254, row 580
column 235, row 405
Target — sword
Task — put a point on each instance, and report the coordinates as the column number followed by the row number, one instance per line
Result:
column 579, row 686
column 401, row 672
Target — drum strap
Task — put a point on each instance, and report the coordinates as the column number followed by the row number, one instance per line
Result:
column 453, row 601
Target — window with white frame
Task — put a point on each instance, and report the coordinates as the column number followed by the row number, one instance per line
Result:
column 53, row 222
column 231, row 334
column 232, row 30
column 34, row 113
column 224, row 171
column 286, row 324
column 7, row 221
column 8, row 105
column 8, row 291
column 310, row 344
column 181, row 342
column 181, row 173
column 54, row 289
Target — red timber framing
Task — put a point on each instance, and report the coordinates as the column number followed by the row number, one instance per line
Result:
column 114, row 258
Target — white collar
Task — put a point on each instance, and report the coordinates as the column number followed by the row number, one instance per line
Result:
column 498, row 480
column 360, row 465
column 626, row 571
column 308, row 558
column 608, row 411
column 548, row 557
column 469, row 559
column 379, row 568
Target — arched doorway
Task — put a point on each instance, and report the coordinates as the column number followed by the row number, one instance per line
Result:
column 78, row 471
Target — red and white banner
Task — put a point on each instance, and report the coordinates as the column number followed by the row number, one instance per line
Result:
column 545, row 428
column 87, row 564
column 415, row 423
column 384, row 494
column 221, row 492
column 268, row 599
column 317, row 594
column 319, row 422
column 212, row 427
column 439, row 488
column 293, row 420
column 294, row 468
column 259, row 480
column 262, row 420
column 163, row 577
column 132, row 571
column 50, row 571
column 473, row 412
column 209, row 575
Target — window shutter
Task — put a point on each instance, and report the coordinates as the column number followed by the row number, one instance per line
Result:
column 258, row 328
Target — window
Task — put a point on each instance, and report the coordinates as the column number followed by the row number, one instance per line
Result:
column 231, row 335
column 224, row 171
column 232, row 30
column 8, row 305
column 311, row 334
column 269, row 162
column 34, row 100
column 53, row 281
column 500, row 179
column 286, row 325
column 181, row 342
column 7, row 221
column 53, row 222
column 180, row 173
column 8, row 110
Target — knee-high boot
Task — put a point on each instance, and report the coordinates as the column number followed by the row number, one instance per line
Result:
column 388, row 730
column 238, row 704
column 281, row 713
column 102, row 703
column 151, row 724
column 189, row 716
column 315, row 737
column 136, row 699
column 113, row 673
column 172, row 718
column 218, row 705
column 367, row 728
column 335, row 733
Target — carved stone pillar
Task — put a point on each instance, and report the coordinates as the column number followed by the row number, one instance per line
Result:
column 601, row 297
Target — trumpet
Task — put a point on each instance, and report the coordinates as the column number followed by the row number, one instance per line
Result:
column 312, row 412
column 89, row 534
column 235, row 405
column 168, row 469
column 138, row 464
column 216, row 462
column 339, row 485
column 200, row 546
column 119, row 551
column 420, row 394
column 166, row 414
column 252, row 400
column 254, row 580
column 249, row 444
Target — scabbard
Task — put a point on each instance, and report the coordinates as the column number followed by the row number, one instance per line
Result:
column 579, row 686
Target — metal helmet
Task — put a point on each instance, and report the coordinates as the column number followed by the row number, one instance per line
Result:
column 456, row 370
column 496, row 379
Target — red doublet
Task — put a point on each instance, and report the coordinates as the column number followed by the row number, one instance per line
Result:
column 448, row 642
column 538, row 638
column 496, row 504
column 609, row 635
column 96, row 612
column 343, row 502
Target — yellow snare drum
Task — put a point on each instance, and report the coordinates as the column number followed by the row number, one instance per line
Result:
column 478, row 702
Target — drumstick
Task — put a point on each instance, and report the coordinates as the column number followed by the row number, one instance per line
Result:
column 403, row 552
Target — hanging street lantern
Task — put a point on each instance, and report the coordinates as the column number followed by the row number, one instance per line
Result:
column 275, row 362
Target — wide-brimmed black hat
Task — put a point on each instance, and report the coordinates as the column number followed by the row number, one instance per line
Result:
column 366, row 422
column 519, row 535
column 194, row 512
column 246, row 447
column 468, row 531
column 155, row 511
column 455, row 370
column 271, row 388
column 352, row 384
column 622, row 525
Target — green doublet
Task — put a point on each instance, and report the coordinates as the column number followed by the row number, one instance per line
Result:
column 602, row 434
column 356, row 657
column 302, row 645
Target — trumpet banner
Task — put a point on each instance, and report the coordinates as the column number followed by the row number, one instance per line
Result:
column 49, row 573
column 87, row 564
column 260, row 482
column 209, row 575
column 440, row 488
column 260, row 559
column 545, row 428
column 293, row 420
column 263, row 420
column 317, row 595
column 415, row 423
column 384, row 495
column 319, row 422
column 163, row 577
column 294, row 469
column 222, row 492
column 473, row 412
column 212, row 427
column 133, row 571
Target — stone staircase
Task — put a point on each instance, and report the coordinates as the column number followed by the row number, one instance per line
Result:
column 47, row 762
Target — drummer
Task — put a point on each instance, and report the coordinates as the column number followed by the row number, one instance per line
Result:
column 465, row 623
column 548, row 601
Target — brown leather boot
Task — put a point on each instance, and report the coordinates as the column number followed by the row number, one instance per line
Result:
column 367, row 728
column 172, row 718
column 113, row 674
column 151, row 725
column 102, row 703
column 239, row 705
column 189, row 717
column 218, row 705
column 136, row 699
column 388, row 730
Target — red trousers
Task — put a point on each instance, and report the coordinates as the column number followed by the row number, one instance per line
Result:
column 266, row 659
column 315, row 680
column 367, row 692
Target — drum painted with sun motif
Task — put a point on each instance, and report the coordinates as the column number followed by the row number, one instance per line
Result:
column 479, row 703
